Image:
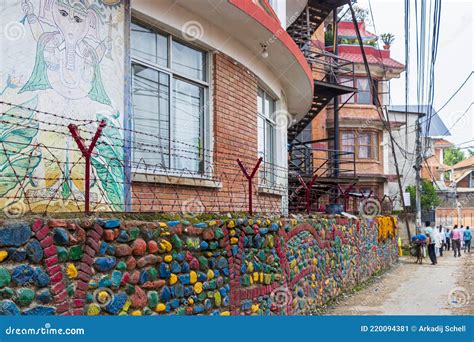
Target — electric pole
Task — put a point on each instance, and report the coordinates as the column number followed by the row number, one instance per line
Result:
column 418, row 176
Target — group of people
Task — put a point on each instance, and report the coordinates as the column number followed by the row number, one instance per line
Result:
column 440, row 239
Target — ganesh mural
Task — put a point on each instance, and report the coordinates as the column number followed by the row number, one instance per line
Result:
column 62, row 62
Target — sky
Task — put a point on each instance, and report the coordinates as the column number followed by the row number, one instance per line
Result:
column 455, row 60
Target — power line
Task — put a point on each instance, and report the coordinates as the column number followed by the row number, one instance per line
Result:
column 456, row 92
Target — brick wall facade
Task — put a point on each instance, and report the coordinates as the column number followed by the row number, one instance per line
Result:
column 234, row 120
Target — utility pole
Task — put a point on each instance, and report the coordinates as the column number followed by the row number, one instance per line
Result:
column 417, row 168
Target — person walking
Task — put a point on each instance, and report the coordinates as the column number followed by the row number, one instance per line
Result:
column 439, row 241
column 447, row 236
column 431, row 242
column 467, row 240
column 461, row 231
column 456, row 241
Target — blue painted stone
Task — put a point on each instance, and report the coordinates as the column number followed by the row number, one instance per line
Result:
column 226, row 301
column 175, row 303
column 204, row 245
column 164, row 270
column 243, row 268
column 173, row 223
column 216, row 273
column 123, row 236
column 235, row 250
column 207, row 303
column 206, row 286
column 34, row 251
column 44, row 296
column 105, row 282
column 215, row 313
column 184, row 279
column 188, row 291
column 198, row 308
column 105, row 264
column 116, row 278
column 165, row 294
column 185, row 267
column 103, row 248
column 60, row 236
column 201, row 225
column 117, row 303
column 23, row 274
column 274, row 227
column 143, row 277
column 263, row 230
column 246, row 241
column 17, row 255
column 175, row 267
column 8, row 308
column 179, row 290
column 223, row 291
column 202, row 276
column 15, row 234
column 112, row 224
column 111, row 250
column 40, row 311
column 179, row 256
column 41, row 278
column 222, row 263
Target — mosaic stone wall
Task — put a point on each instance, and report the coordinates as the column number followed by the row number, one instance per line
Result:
column 219, row 267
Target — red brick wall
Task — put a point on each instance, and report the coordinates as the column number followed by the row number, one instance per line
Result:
column 234, row 100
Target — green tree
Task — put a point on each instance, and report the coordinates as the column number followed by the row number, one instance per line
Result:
column 453, row 155
column 429, row 197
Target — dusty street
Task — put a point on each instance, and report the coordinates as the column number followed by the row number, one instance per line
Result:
column 411, row 289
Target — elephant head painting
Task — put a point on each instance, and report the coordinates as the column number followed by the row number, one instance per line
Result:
column 69, row 49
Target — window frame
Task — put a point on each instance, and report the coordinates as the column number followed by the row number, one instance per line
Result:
column 268, row 122
column 374, row 144
column 354, row 100
column 204, row 171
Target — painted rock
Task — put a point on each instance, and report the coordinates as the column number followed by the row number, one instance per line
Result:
column 17, row 255
column 24, row 296
column 139, row 298
column 165, row 294
column 123, row 250
column 105, row 264
column 152, row 299
column 41, row 278
column 44, row 296
column 165, row 271
column 75, row 253
column 123, row 236
column 117, row 303
column 8, row 308
column 15, row 234
column 5, row 277
column 34, row 251
column 23, row 274
column 40, row 311
column 139, row 247
column 60, row 236
column 152, row 246
column 112, row 224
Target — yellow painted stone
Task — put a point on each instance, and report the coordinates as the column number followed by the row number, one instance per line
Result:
column 313, row 277
column 210, row 274
column 255, row 277
column 168, row 258
column 103, row 296
column 209, row 254
column 160, row 307
column 251, row 280
column 191, row 301
column 315, row 261
column 255, row 308
column 166, row 245
column 126, row 306
column 231, row 224
column 261, row 277
column 173, row 278
column 136, row 313
column 259, row 222
column 163, row 225
column 250, row 267
column 293, row 263
column 193, row 277
column 250, row 222
column 3, row 255
column 232, row 232
column 225, row 313
column 93, row 310
column 234, row 241
column 198, row 287
column 71, row 271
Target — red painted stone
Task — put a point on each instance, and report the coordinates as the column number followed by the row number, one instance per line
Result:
column 79, row 294
column 54, row 223
column 50, row 251
column 93, row 244
column 156, row 284
column 108, row 235
column 98, row 229
column 40, row 234
column 58, row 287
column 149, row 259
column 123, row 250
column 87, row 259
column 208, row 234
column 96, row 236
column 189, row 256
column 135, row 277
column 82, row 285
column 46, row 242
column 78, row 303
column 57, row 277
column 83, row 267
column 131, row 263
column 152, row 246
column 63, row 307
column 83, row 276
column 60, row 297
column 51, row 261
column 53, row 269
column 125, row 278
column 78, row 312
column 37, row 225
column 139, row 247
column 194, row 264
column 139, row 298
column 89, row 251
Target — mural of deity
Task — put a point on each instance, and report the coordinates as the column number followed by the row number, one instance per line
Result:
column 69, row 49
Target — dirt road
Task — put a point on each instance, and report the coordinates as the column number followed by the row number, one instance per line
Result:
column 411, row 289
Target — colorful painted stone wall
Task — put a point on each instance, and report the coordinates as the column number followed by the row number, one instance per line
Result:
column 61, row 62
column 219, row 267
